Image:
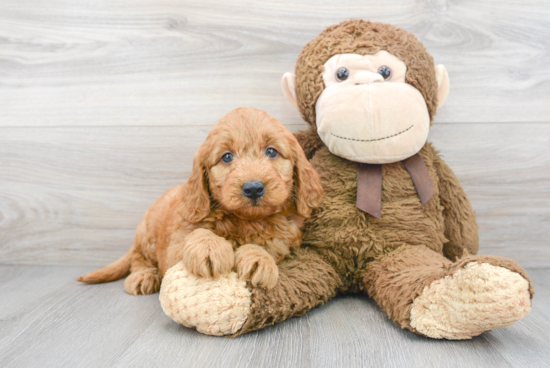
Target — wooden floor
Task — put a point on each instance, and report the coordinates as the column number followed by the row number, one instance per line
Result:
column 49, row 320
column 104, row 102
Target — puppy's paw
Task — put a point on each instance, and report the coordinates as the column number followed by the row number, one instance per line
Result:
column 254, row 264
column 142, row 282
column 207, row 255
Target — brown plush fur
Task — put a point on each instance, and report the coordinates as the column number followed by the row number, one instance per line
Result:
column 346, row 250
column 396, row 279
column 202, row 221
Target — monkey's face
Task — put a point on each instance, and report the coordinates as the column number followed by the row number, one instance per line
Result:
column 367, row 113
column 370, row 89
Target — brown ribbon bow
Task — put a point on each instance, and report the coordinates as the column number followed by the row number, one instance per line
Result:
column 369, row 184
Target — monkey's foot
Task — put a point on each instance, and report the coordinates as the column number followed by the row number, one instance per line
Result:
column 214, row 307
column 476, row 298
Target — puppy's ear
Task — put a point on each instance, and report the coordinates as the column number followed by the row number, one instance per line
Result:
column 196, row 196
column 309, row 191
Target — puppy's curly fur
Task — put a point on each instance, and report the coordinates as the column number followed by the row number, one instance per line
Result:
column 204, row 221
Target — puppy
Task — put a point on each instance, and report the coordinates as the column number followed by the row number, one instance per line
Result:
column 244, row 203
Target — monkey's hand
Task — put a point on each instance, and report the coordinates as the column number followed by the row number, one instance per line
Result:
column 254, row 264
column 207, row 255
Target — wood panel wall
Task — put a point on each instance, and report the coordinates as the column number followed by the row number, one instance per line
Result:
column 104, row 102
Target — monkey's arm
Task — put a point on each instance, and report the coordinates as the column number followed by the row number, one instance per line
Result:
column 309, row 141
column 460, row 220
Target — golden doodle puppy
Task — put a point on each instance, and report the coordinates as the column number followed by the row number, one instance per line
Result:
column 241, row 209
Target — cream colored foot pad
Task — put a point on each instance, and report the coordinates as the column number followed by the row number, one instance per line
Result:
column 214, row 307
column 477, row 298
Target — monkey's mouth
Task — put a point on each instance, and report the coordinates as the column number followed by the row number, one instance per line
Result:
column 372, row 140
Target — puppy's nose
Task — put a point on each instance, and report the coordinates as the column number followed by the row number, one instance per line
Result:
column 253, row 189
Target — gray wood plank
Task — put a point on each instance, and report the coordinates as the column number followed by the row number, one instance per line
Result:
column 189, row 62
column 55, row 321
column 72, row 325
column 505, row 170
column 542, row 277
column 352, row 331
column 281, row 346
column 76, row 195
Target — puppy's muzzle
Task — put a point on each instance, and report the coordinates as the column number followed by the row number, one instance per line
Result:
column 253, row 190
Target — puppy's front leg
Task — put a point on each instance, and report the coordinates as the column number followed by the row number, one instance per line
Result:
column 255, row 264
column 206, row 254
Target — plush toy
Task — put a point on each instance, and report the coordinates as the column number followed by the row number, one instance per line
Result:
column 394, row 222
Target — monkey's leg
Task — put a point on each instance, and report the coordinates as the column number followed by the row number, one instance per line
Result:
column 228, row 306
column 424, row 292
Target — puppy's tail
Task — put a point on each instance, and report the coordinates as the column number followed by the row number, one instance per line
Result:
column 116, row 270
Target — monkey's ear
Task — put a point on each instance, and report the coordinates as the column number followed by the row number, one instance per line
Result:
column 289, row 88
column 442, row 84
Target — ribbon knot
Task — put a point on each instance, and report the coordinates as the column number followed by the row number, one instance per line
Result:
column 369, row 184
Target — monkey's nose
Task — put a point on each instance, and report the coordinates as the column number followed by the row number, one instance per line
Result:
column 253, row 189
column 367, row 78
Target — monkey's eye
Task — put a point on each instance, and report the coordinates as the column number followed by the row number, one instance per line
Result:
column 271, row 152
column 385, row 72
column 342, row 74
column 227, row 157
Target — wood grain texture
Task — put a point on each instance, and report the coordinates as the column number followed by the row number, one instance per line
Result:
column 505, row 170
column 143, row 62
column 103, row 104
column 51, row 320
column 76, row 195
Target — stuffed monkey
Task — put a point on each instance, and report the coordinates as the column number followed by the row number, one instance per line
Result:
column 394, row 223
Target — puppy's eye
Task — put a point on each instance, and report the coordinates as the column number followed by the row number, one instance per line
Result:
column 342, row 74
column 271, row 152
column 385, row 72
column 227, row 158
